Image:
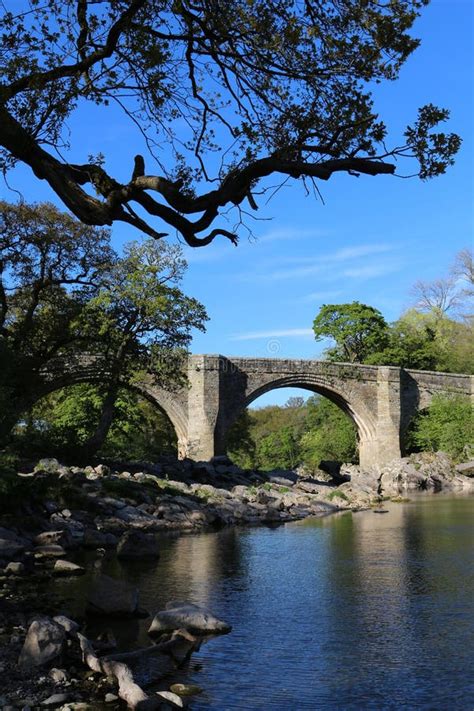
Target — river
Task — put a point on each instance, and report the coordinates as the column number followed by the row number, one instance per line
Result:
column 351, row 611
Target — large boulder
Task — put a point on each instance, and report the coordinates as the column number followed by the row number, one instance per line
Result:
column 109, row 596
column 465, row 468
column 50, row 466
column 137, row 544
column 44, row 642
column 185, row 615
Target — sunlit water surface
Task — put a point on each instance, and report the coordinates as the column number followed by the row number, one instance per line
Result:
column 353, row 611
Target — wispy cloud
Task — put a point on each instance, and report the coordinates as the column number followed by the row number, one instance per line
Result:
column 330, row 266
column 282, row 333
column 290, row 233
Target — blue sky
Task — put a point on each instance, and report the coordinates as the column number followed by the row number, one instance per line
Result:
column 370, row 241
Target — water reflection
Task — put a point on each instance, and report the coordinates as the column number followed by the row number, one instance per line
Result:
column 354, row 611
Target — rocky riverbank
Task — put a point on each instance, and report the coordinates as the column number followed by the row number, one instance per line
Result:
column 49, row 514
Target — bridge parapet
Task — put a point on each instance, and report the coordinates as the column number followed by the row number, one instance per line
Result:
column 381, row 400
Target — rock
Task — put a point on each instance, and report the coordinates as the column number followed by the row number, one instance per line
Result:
column 65, row 567
column 49, row 551
column 59, row 676
column 172, row 700
column 69, row 625
column 50, row 466
column 191, row 617
column 44, row 642
column 465, row 468
column 15, row 568
column 282, row 477
column 136, row 544
column 55, row 700
column 112, row 597
column 58, row 538
column 186, row 689
column 309, row 486
column 111, row 698
column 102, row 470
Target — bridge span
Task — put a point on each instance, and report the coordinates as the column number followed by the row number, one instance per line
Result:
column 381, row 400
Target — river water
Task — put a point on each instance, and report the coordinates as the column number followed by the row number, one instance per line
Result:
column 352, row 611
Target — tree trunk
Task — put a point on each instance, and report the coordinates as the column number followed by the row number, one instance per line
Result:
column 97, row 439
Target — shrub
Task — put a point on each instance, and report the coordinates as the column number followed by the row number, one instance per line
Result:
column 448, row 425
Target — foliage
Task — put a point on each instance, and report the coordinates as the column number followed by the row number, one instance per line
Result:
column 357, row 329
column 447, row 425
column 426, row 341
column 60, row 423
column 289, row 436
column 64, row 292
column 331, row 434
column 141, row 315
column 274, row 87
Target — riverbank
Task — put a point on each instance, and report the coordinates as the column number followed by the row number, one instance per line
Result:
column 55, row 512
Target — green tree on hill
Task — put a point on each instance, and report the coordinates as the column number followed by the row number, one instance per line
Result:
column 357, row 329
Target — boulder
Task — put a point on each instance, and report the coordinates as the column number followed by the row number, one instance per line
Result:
column 188, row 616
column 69, row 625
column 109, row 596
column 171, row 701
column 136, row 544
column 15, row 568
column 49, row 551
column 50, row 466
column 44, row 642
column 65, row 567
column 283, row 477
column 465, row 468
column 59, row 538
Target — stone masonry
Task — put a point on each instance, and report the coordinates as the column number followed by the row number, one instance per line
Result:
column 381, row 400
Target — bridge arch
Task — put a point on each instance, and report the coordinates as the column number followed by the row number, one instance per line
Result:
column 354, row 407
column 164, row 401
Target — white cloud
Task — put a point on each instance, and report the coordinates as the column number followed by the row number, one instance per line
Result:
column 325, row 264
column 283, row 333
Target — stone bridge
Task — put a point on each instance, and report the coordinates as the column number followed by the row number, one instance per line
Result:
column 381, row 400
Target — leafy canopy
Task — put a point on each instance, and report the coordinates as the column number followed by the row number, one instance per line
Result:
column 357, row 329
column 71, row 307
column 222, row 93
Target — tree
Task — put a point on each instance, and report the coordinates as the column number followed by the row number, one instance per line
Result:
column 61, row 298
column 447, row 425
column 272, row 87
column 145, row 322
column 357, row 329
column 330, row 434
column 50, row 264
column 60, row 423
